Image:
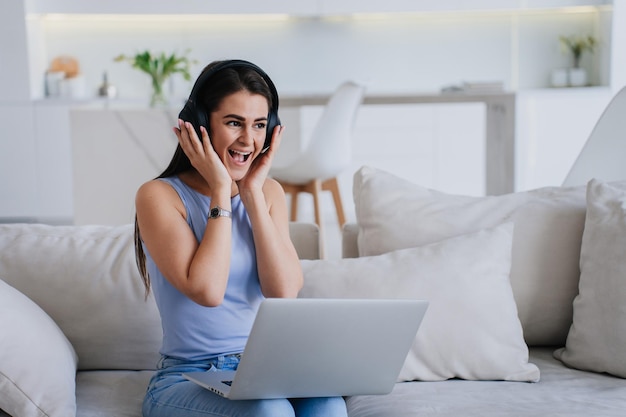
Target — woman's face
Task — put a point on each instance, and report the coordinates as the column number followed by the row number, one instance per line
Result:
column 238, row 128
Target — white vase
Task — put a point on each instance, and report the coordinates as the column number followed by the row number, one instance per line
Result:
column 559, row 77
column 577, row 77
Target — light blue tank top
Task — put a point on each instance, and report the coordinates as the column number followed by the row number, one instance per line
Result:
column 194, row 332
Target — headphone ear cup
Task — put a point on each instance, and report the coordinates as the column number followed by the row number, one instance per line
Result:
column 197, row 118
column 201, row 120
column 272, row 121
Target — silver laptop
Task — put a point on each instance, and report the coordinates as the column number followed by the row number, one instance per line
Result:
column 319, row 348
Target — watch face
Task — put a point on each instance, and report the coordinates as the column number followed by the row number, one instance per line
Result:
column 215, row 212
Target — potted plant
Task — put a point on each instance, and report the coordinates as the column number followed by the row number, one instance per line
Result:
column 577, row 46
column 159, row 67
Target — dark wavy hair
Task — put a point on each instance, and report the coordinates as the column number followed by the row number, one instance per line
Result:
column 223, row 83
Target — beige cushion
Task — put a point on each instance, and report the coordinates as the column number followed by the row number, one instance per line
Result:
column 393, row 213
column 37, row 362
column 597, row 338
column 85, row 278
column 471, row 329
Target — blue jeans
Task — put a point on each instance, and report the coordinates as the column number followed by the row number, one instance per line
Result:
column 169, row 394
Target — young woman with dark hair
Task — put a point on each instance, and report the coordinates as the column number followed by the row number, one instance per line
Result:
column 212, row 241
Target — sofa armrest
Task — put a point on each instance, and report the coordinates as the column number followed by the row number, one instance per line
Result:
column 349, row 246
column 306, row 239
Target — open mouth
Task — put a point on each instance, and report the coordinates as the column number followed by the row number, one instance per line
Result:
column 238, row 156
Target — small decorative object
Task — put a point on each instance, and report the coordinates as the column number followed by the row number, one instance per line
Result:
column 53, row 83
column 64, row 79
column 577, row 77
column 106, row 89
column 576, row 46
column 159, row 67
column 559, row 77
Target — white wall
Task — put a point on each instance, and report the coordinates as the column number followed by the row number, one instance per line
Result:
column 13, row 52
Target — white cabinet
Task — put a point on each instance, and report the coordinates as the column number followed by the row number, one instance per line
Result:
column 552, row 127
column 53, row 162
column 437, row 145
column 114, row 151
column 35, row 163
column 440, row 146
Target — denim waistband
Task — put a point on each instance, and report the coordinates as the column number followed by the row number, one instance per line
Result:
column 229, row 361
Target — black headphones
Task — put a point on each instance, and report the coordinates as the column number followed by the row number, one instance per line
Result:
column 197, row 116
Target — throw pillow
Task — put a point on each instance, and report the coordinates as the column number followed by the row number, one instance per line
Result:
column 38, row 363
column 393, row 213
column 86, row 279
column 471, row 329
column 597, row 338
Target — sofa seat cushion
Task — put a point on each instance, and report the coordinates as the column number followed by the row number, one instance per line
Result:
column 561, row 392
column 393, row 213
column 111, row 393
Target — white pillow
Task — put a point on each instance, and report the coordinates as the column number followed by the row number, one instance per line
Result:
column 86, row 279
column 597, row 338
column 471, row 329
column 37, row 364
column 393, row 213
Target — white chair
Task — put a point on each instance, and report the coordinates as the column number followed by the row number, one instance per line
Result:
column 604, row 154
column 328, row 153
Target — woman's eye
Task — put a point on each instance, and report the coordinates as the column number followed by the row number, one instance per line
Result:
column 260, row 125
column 234, row 123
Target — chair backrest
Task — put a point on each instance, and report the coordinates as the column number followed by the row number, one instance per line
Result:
column 329, row 149
column 604, row 154
column 330, row 146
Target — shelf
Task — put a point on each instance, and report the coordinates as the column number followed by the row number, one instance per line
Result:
column 578, row 91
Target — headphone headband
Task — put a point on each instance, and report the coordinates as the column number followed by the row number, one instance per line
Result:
column 233, row 63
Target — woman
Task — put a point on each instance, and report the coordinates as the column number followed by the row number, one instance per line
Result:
column 212, row 240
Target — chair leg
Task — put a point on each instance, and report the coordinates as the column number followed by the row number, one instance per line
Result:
column 315, row 188
column 294, row 205
column 316, row 191
column 292, row 190
column 333, row 186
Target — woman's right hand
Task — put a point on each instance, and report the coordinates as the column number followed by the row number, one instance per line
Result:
column 202, row 155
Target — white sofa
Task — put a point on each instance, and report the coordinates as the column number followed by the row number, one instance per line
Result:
column 502, row 275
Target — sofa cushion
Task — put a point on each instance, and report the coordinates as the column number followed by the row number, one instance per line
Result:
column 470, row 330
column 111, row 393
column 86, row 279
column 562, row 392
column 37, row 362
column 597, row 338
column 393, row 213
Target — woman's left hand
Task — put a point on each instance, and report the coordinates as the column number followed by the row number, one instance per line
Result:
column 260, row 167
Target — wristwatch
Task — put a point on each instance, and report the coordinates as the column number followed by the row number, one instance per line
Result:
column 217, row 211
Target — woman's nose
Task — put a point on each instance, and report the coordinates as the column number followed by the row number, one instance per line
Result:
column 248, row 135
